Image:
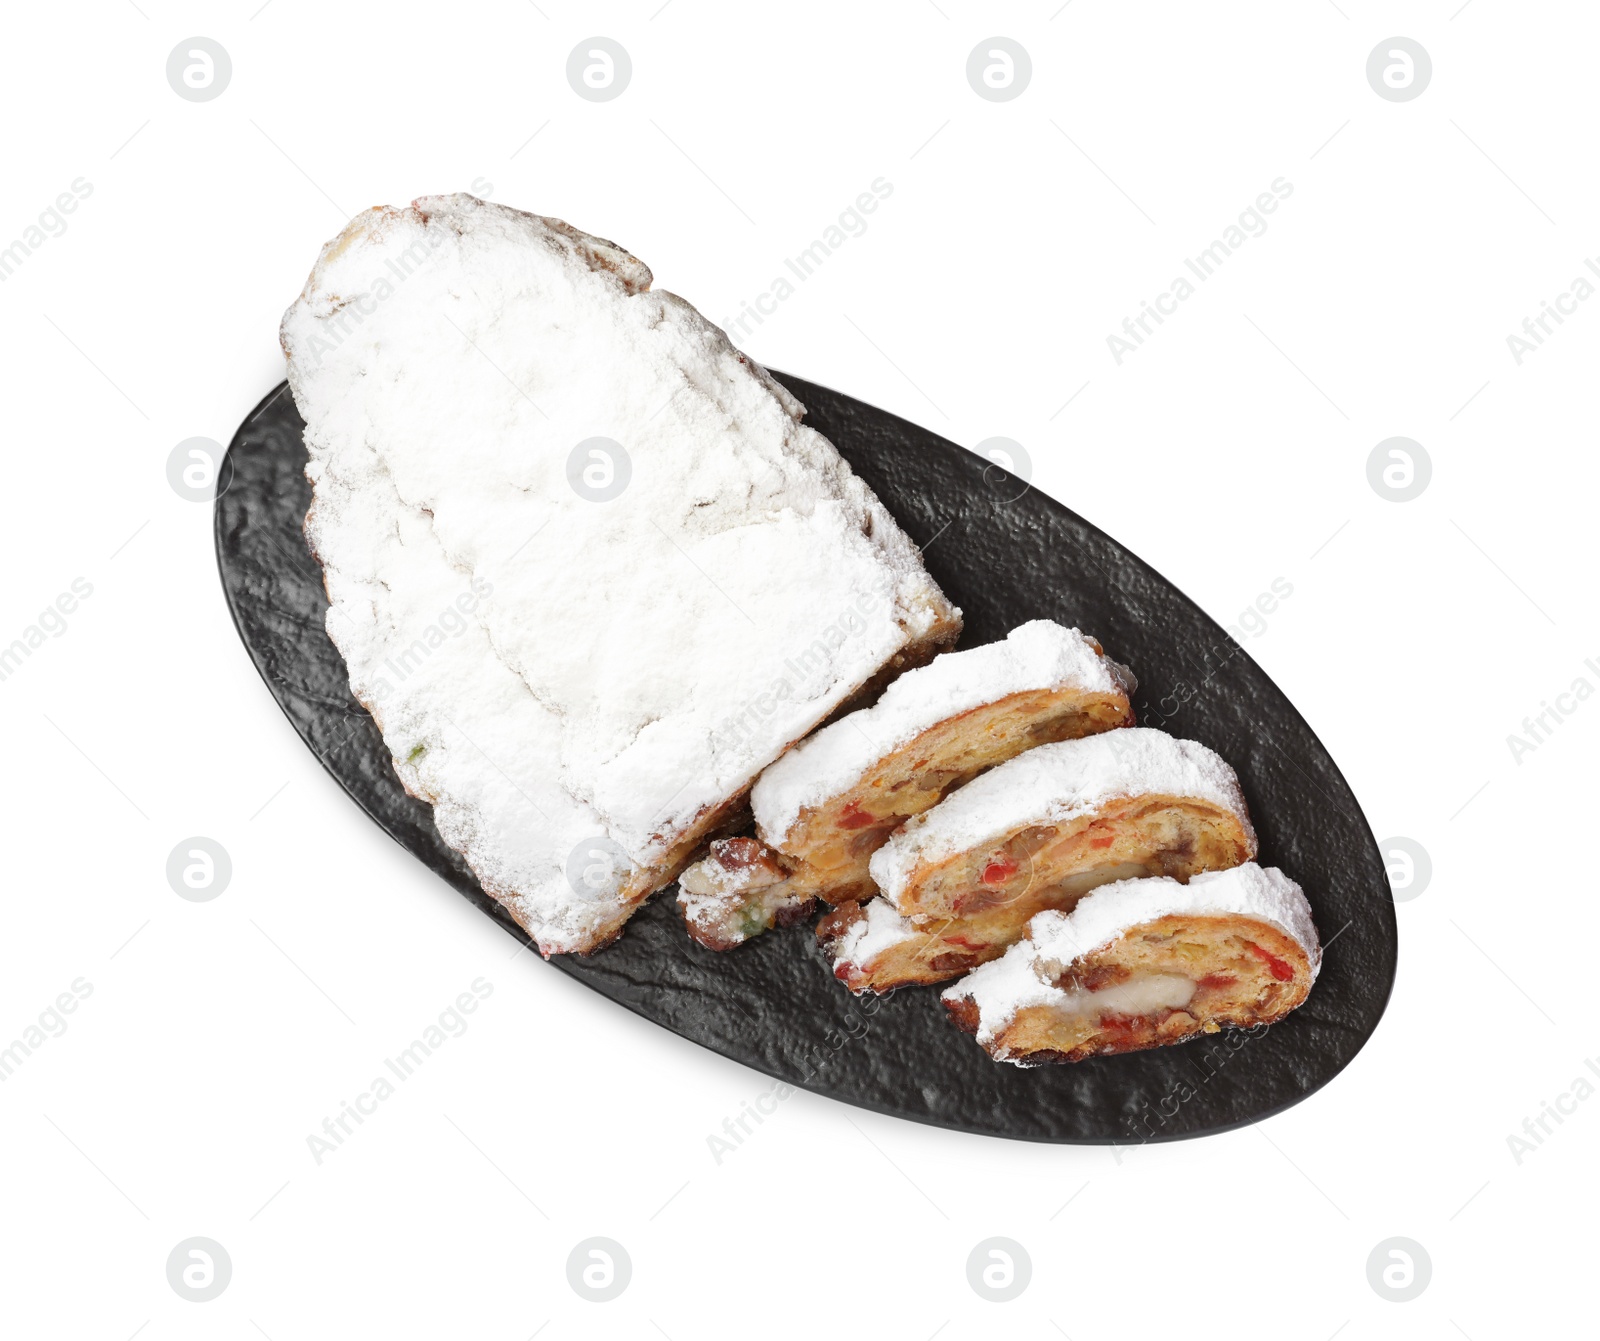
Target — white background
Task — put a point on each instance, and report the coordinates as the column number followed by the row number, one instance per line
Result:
column 1229, row 451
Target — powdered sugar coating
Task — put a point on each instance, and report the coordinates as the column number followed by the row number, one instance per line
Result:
column 879, row 928
column 1004, row 986
column 738, row 890
column 1038, row 655
column 708, row 892
column 530, row 679
column 1054, row 784
column 1249, row 890
column 1021, row 977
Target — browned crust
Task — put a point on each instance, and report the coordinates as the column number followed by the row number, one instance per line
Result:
column 963, row 1013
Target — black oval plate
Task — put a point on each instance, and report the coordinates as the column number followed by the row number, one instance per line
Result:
column 1005, row 553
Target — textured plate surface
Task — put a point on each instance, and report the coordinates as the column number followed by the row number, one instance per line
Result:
column 1005, row 553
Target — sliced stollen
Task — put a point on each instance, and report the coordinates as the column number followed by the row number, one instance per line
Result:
column 961, row 881
column 507, row 429
column 1137, row 794
column 832, row 800
column 1141, row 963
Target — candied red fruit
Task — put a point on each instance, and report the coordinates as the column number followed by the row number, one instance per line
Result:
column 1280, row 970
column 854, row 817
column 999, row 870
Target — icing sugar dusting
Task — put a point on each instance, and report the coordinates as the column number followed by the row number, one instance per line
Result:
column 555, row 659
column 1264, row 893
column 1036, row 655
column 1054, row 784
column 879, row 929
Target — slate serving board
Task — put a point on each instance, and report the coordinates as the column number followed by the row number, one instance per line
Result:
column 1005, row 553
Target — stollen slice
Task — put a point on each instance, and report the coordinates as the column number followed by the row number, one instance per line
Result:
column 1142, row 963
